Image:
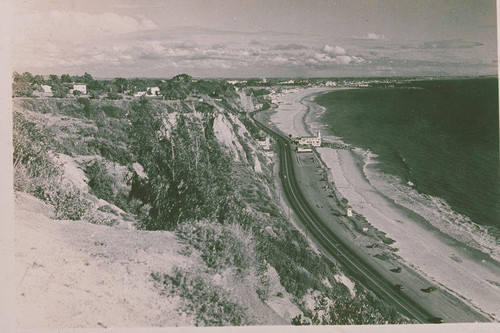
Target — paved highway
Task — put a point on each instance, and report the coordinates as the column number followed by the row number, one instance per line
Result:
column 335, row 245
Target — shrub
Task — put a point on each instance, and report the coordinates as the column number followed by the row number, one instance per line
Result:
column 35, row 172
column 221, row 246
column 113, row 95
column 100, row 181
column 70, row 204
column 85, row 102
column 209, row 304
column 113, row 111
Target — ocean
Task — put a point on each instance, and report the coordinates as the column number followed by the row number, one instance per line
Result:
column 431, row 146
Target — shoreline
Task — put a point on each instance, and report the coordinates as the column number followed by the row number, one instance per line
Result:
column 432, row 254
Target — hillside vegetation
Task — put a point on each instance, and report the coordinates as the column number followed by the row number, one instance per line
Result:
column 188, row 164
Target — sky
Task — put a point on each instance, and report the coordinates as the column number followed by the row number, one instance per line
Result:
column 255, row 38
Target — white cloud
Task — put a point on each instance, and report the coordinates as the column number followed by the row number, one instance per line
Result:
column 70, row 26
column 374, row 36
column 337, row 50
column 64, row 38
column 66, row 42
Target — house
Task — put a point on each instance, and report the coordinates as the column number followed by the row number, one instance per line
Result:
column 153, row 91
column 139, row 94
column 266, row 144
column 42, row 91
column 314, row 141
column 81, row 87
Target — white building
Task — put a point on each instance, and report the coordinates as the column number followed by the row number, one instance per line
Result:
column 266, row 144
column 81, row 87
column 46, row 88
column 314, row 141
column 139, row 93
column 153, row 91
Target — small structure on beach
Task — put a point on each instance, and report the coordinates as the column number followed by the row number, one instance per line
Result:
column 314, row 141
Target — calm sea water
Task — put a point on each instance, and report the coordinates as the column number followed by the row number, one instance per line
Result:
column 437, row 138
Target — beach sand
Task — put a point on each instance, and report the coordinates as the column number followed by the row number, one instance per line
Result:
column 464, row 272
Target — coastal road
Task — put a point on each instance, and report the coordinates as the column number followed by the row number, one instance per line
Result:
column 336, row 246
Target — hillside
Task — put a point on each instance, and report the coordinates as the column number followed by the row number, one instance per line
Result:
column 165, row 202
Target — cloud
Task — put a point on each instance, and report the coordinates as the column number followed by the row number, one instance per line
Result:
column 288, row 47
column 188, row 44
column 151, row 50
column 70, row 26
column 64, row 39
column 450, row 44
column 337, row 50
column 325, row 59
column 374, row 36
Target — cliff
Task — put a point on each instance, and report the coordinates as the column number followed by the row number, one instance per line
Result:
column 173, row 202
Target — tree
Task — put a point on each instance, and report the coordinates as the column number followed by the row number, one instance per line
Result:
column 122, row 84
column 87, row 78
column 65, row 78
column 85, row 102
column 54, row 79
column 28, row 77
column 60, row 90
column 38, row 79
column 77, row 93
column 21, row 85
column 187, row 169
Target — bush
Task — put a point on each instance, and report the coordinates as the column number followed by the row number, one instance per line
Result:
column 209, row 304
column 221, row 246
column 113, row 111
column 71, row 205
column 100, row 181
column 35, row 172
column 114, row 96
column 85, row 102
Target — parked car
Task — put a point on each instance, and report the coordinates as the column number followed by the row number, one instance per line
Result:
column 429, row 290
column 399, row 287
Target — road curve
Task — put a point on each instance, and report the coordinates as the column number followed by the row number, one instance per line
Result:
column 336, row 247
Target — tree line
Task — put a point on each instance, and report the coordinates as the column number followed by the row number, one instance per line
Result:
column 178, row 87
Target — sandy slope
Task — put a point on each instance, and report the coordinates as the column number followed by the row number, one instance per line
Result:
column 73, row 274
column 77, row 274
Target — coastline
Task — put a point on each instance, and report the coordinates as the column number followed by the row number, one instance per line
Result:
column 456, row 268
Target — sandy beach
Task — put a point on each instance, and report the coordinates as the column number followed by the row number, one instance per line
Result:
column 464, row 272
